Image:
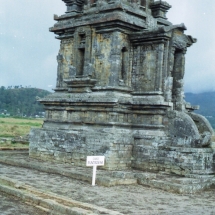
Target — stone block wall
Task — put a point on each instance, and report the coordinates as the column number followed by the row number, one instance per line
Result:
column 177, row 160
column 73, row 146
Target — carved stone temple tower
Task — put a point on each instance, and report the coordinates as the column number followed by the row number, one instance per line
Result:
column 119, row 91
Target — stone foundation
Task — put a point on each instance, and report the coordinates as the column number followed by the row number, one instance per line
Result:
column 178, row 160
column 73, row 146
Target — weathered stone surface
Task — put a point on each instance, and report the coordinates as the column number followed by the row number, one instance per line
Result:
column 12, row 205
column 119, row 91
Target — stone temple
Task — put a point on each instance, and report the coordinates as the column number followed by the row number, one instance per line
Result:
column 119, row 92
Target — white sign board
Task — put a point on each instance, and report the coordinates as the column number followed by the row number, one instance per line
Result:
column 95, row 161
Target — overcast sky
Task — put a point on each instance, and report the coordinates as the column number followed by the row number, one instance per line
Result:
column 28, row 50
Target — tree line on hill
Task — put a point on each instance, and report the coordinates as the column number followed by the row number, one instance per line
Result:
column 19, row 101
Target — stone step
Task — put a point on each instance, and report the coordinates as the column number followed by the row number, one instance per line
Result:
column 177, row 184
column 49, row 202
column 127, row 199
column 84, row 175
column 162, row 180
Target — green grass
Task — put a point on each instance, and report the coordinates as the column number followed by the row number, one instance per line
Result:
column 12, row 127
column 34, row 124
column 8, row 144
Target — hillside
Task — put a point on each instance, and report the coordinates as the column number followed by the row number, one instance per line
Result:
column 207, row 104
column 21, row 101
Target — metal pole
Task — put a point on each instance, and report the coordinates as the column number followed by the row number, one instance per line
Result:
column 94, row 175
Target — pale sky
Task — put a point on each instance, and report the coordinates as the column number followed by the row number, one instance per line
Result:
column 28, row 50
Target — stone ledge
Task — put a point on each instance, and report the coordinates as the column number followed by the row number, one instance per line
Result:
column 14, row 148
column 159, row 180
column 50, row 201
column 82, row 174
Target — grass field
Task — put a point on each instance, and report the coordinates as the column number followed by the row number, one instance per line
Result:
column 13, row 127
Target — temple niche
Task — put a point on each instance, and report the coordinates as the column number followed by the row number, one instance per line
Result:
column 119, row 92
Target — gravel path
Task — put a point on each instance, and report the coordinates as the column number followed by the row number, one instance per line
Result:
column 132, row 199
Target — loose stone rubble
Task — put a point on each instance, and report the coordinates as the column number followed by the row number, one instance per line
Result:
column 119, row 92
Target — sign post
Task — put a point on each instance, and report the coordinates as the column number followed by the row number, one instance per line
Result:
column 95, row 161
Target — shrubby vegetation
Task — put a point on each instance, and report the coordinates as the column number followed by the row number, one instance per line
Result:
column 19, row 101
